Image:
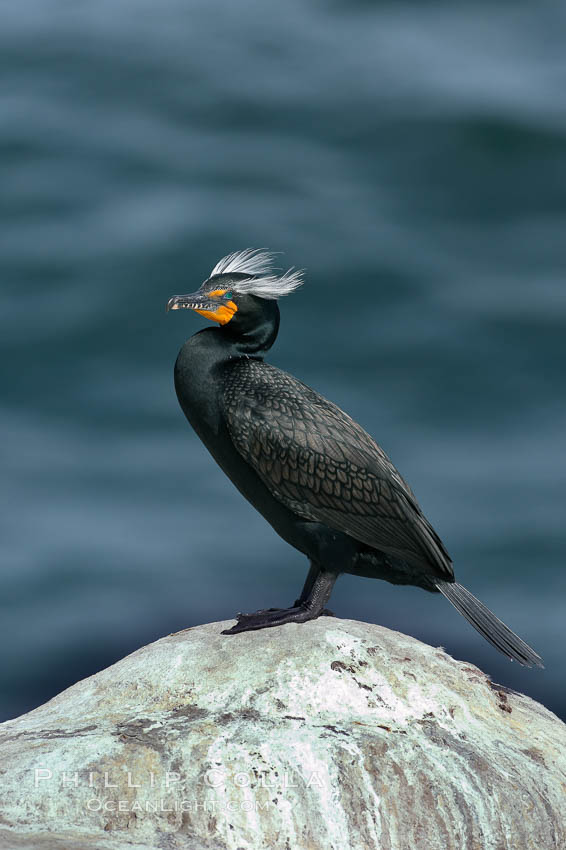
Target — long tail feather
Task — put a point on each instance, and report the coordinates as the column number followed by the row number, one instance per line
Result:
column 488, row 625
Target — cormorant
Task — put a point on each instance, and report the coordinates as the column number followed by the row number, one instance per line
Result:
column 317, row 477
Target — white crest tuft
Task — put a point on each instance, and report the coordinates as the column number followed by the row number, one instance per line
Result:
column 265, row 283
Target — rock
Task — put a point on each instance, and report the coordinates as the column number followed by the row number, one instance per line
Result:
column 333, row 735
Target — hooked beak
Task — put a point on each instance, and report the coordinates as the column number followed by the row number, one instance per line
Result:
column 201, row 302
column 195, row 301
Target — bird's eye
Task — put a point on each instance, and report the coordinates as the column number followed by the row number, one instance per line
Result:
column 228, row 295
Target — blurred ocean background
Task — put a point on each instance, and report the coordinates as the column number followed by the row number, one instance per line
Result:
column 412, row 158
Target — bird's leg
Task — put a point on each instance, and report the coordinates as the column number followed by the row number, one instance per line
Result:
column 308, row 609
column 307, row 587
column 309, row 582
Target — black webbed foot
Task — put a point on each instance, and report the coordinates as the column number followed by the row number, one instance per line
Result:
column 270, row 617
column 326, row 612
column 308, row 609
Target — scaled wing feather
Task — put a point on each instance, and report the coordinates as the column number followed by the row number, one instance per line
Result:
column 322, row 465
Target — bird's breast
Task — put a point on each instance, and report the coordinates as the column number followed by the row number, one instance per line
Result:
column 198, row 385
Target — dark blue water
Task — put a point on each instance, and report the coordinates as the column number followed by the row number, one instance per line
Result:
column 412, row 157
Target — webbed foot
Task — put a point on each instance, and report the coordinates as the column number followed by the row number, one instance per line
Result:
column 308, row 609
column 270, row 617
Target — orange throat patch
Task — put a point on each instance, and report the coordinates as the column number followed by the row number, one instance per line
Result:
column 222, row 314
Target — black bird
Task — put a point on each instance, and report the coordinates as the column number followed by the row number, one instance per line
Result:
column 317, row 477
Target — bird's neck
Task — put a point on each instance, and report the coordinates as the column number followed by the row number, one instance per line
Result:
column 255, row 334
column 200, row 364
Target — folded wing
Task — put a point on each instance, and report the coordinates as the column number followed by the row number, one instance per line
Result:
column 323, row 466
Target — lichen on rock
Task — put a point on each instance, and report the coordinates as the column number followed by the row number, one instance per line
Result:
column 332, row 734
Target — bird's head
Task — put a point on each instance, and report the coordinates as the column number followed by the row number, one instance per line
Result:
column 235, row 285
